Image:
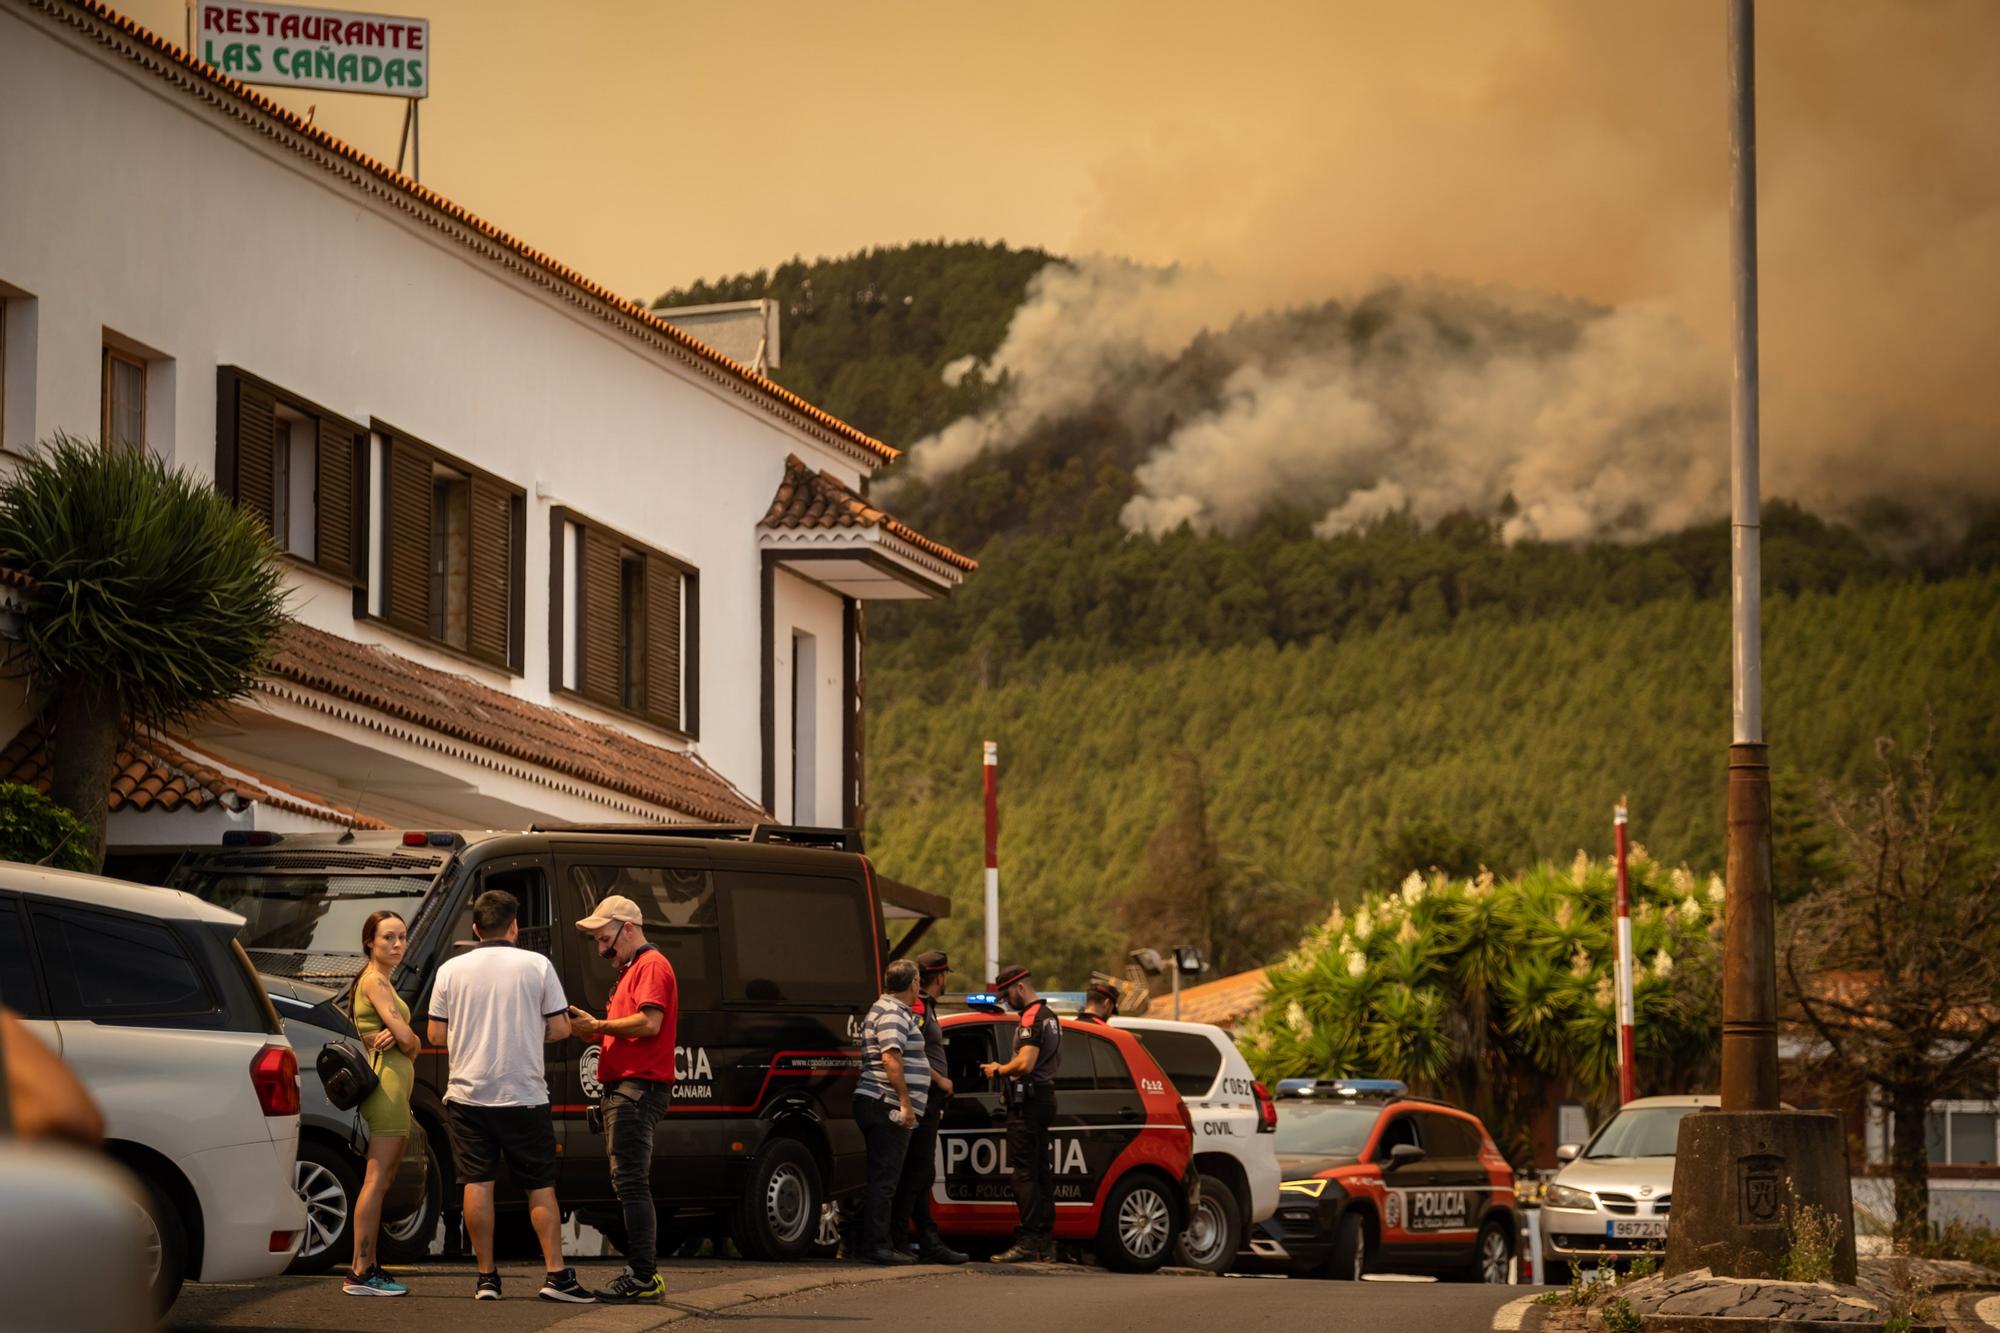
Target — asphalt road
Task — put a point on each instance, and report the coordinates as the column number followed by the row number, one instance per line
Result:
column 1102, row 1302
column 978, row 1296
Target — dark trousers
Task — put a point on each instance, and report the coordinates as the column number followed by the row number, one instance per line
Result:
column 632, row 1108
column 913, row 1192
column 1028, row 1121
column 887, row 1144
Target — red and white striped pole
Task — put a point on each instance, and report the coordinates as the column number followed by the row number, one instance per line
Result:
column 1627, row 1075
column 992, row 770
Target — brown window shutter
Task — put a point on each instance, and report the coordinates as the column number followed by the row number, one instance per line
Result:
column 335, row 540
column 407, row 539
column 599, row 617
column 256, row 431
column 492, row 562
column 663, row 642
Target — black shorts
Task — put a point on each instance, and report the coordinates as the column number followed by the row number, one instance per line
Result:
column 484, row 1136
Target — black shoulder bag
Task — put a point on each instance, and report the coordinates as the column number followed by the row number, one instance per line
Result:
column 345, row 1070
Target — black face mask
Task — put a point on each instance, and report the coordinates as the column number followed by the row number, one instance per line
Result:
column 611, row 950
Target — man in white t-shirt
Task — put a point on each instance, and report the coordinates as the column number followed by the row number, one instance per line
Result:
column 494, row 1008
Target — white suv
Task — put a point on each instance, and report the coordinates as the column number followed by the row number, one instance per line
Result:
column 1235, row 1136
column 146, row 994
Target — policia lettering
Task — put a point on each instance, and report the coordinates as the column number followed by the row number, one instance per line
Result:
column 1031, row 1108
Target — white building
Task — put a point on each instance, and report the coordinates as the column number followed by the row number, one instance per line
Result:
column 554, row 559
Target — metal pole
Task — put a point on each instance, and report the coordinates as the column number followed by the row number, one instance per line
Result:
column 416, row 141
column 1177, row 989
column 1628, row 1075
column 1749, row 983
column 403, row 141
column 991, row 756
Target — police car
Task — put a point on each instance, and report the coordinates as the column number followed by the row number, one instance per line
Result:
column 1378, row 1180
column 1122, row 1143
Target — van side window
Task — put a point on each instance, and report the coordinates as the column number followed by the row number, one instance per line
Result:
column 796, row 939
column 678, row 904
column 1403, row 1129
column 530, row 887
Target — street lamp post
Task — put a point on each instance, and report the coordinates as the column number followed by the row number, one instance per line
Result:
column 1738, row 1175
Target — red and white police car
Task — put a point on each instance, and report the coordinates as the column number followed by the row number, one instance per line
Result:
column 1376, row 1180
column 1122, row 1143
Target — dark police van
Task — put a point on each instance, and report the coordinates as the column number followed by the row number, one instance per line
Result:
column 778, row 938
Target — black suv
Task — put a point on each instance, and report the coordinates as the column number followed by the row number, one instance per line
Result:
column 776, row 935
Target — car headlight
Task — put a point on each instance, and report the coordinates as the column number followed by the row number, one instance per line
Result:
column 1565, row 1196
column 1313, row 1187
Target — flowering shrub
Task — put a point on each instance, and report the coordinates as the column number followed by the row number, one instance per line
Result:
column 1481, row 988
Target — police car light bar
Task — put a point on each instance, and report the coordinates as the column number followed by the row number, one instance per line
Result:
column 1342, row 1087
column 983, row 1000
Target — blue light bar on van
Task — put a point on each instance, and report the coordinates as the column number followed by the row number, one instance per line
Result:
column 983, row 998
column 1342, row 1087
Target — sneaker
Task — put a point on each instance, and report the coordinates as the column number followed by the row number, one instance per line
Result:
column 563, row 1286
column 626, row 1289
column 376, row 1283
column 1022, row 1252
column 488, row 1287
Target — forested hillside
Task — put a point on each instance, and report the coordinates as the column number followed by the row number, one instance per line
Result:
column 1232, row 729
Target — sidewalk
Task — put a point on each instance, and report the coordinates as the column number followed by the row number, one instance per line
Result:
column 441, row 1296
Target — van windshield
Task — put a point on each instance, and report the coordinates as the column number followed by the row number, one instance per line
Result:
column 307, row 924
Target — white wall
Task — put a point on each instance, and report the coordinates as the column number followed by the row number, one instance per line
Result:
column 799, row 607
column 132, row 207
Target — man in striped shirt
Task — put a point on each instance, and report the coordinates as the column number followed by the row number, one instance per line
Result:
column 895, row 1084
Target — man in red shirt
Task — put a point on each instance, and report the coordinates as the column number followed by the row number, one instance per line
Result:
column 636, row 1068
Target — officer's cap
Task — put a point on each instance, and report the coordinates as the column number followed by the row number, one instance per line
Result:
column 1007, row 976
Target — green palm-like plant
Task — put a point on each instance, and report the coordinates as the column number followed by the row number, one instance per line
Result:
column 154, row 600
column 1490, row 990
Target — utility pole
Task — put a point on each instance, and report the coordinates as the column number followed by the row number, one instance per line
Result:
column 1628, row 1074
column 1737, row 1173
column 990, row 756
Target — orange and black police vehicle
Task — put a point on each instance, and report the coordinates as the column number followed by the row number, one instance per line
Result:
column 1122, row 1143
column 1375, row 1180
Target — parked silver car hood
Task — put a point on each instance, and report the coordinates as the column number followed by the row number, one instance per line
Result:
column 1625, row 1175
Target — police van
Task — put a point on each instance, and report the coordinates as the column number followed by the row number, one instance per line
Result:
column 1122, row 1145
column 777, row 935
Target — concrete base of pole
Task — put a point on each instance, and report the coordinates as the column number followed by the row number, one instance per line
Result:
column 1740, row 1175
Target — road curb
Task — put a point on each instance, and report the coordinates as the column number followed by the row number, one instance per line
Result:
column 732, row 1295
column 1509, row 1317
column 1986, row 1309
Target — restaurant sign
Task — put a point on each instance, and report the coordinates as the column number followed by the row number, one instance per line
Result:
column 297, row 47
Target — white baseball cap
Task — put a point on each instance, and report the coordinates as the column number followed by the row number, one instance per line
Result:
column 615, row 908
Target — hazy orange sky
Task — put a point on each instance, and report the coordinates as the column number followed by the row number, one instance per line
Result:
column 1306, row 149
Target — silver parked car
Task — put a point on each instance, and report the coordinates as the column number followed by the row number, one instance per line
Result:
column 1608, row 1203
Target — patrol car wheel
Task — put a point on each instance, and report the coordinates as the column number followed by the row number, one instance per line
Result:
column 328, row 1183
column 1137, row 1233
column 1349, row 1259
column 1493, row 1256
column 778, row 1217
column 1214, row 1231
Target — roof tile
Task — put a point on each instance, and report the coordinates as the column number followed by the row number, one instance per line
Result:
column 808, row 499
column 463, row 708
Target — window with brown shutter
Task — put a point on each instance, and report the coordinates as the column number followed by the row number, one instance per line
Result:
column 295, row 465
column 451, row 551
column 618, row 621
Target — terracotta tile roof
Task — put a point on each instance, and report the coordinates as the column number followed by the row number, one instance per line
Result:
column 14, row 578
column 156, row 772
column 264, row 107
column 809, row 499
column 1225, row 1002
column 535, row 734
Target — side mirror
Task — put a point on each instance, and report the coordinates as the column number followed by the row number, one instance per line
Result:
column 1569, row 1152
column 1404, row 1154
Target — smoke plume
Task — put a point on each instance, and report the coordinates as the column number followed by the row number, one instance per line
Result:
column 1577, row 153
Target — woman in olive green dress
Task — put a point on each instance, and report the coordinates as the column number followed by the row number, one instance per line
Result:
column 383, row 1021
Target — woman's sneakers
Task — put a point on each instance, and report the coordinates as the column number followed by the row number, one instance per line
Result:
column 374, row 1283
column 563, row 1286
column 626, row 1289
column 487, row 1288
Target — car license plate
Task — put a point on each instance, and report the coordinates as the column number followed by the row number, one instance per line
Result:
column 1649, row 1230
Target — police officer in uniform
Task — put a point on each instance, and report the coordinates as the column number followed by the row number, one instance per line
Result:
column 913, row 1193
column 1100, row 1001
column 1031, row 1108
